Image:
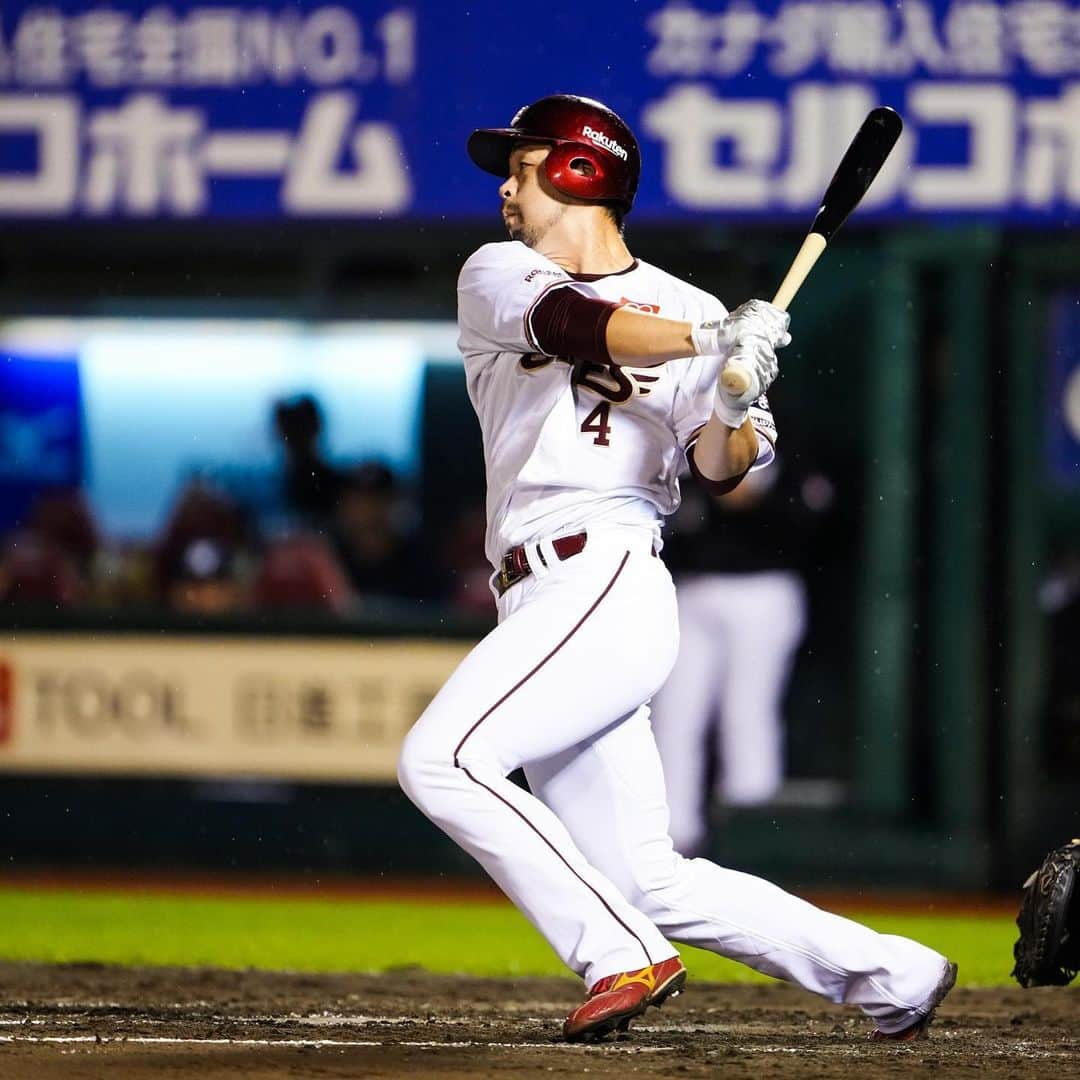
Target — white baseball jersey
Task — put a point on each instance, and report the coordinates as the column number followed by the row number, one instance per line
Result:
column 564, row 452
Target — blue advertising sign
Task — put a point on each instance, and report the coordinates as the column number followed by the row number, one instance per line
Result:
column 360, row 108
column 40, row 430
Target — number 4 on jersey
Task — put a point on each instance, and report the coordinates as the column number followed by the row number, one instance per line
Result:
column 596, row 423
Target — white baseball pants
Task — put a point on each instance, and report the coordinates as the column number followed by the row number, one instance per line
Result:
column 558, row 687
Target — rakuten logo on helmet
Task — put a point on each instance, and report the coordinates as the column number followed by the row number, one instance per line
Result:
column 603, row 140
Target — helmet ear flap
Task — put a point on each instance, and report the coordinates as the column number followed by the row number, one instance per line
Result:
column 576, row 170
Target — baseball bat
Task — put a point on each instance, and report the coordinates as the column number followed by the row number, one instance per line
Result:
column 861, row 162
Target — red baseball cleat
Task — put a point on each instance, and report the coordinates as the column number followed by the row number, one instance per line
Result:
column 615, row 1000
column 918, row 1030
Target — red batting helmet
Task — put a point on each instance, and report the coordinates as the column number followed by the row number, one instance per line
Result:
column 577, row 129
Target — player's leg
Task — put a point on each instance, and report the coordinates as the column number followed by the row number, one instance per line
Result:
column 683, row 712
column 577, row 649
column 763, row 617
column 620, row 825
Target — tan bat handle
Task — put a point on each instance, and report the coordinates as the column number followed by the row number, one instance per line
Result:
column 735, row 377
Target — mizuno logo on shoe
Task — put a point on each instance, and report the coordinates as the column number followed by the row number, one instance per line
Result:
column 646, row 976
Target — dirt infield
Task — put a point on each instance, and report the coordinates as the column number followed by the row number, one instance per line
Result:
column 90, row 1021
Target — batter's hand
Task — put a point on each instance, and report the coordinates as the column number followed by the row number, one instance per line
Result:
column 754, row 319
column 758, row 319
column 749, row 338
column 756, row 357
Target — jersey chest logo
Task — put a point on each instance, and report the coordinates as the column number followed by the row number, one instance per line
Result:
column 615, row 384
column 649, row 309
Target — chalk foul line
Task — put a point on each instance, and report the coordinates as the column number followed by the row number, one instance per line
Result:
column 151, row 1040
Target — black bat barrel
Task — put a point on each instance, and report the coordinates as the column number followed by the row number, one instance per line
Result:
column 857, row 169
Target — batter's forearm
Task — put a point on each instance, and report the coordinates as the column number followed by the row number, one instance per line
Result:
column 722, row 452
column 645, row 341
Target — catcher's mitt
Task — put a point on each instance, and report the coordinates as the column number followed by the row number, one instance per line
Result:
column 1048, row 950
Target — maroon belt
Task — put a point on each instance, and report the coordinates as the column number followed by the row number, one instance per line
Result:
column 515, row 565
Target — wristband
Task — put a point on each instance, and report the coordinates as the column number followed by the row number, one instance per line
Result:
column 729, row 415
column 707, row 341
column 763, row 422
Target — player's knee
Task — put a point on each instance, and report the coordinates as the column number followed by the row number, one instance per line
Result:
column 419, row 766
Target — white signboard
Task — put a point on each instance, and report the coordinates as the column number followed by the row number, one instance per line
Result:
column 297, row 709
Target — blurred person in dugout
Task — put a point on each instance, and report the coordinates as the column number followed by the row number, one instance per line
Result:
column 199, row 557
column 374, row 530
column 739, row 563
column 464, row 567
column 53, row 558
column 206, row 578
column 312, row 484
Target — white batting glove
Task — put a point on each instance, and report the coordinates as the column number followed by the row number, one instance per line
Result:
column 749, row 338
column 759, row 318
column 755, row 318
column 756, row 357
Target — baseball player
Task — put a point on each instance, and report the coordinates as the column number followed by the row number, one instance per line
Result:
column 595, row 379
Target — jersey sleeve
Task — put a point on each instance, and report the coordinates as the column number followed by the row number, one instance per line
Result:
column 498, row 289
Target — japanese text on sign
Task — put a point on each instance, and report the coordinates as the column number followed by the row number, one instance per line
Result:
column 146, row 155
column 361, row 108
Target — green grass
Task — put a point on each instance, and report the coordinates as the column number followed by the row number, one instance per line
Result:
column 376, row 935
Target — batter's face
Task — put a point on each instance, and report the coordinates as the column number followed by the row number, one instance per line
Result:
column 530, row 208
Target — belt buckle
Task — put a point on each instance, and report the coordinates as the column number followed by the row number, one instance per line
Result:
column 504, row 579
